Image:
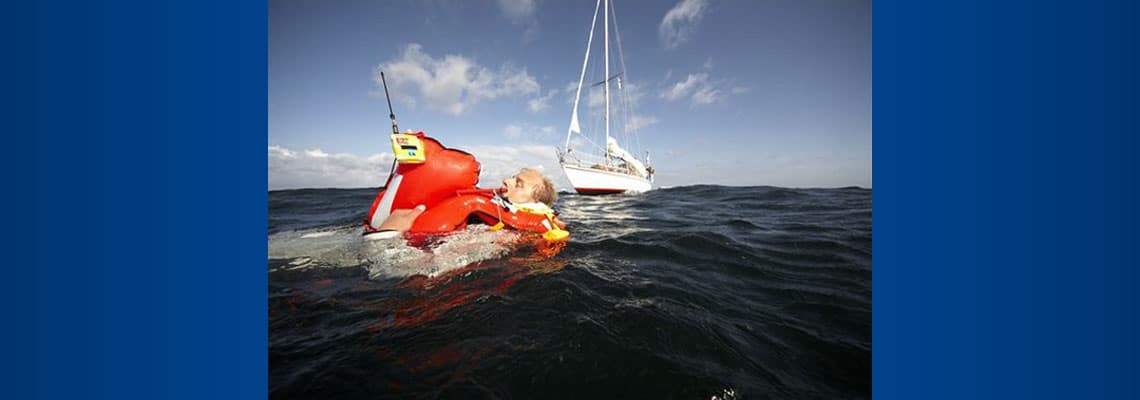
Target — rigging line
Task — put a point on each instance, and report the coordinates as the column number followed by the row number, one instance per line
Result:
column 585, row 61
column 629, row 111
column 587, row 138
column 591, row 117
column 595, row 122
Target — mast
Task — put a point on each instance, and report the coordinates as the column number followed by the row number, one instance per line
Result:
column 577, row 96
column 607, row 74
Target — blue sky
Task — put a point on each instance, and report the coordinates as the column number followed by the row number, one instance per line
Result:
column 728, row 92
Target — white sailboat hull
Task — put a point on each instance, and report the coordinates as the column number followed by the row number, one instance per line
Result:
column 595, row 181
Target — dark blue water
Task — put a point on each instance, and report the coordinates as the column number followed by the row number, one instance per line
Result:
column 691, row 292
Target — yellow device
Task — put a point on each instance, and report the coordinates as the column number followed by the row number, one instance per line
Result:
column 556, row 235
column 408, row 149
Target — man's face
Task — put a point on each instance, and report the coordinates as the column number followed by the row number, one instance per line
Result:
column 521, row 187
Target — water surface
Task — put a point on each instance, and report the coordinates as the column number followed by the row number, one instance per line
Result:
column 690, row 292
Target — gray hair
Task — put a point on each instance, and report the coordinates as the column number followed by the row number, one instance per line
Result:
column 545, row 193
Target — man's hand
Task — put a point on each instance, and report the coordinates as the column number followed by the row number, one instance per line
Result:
column 401, row 220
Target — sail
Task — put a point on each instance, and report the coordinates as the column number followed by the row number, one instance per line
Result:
column 615, row 151
column 574, row 128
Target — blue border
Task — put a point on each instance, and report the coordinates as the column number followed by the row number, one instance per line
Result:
column 19, row 276
column 1005, row 248
column 1005, row 200
column 150, row 199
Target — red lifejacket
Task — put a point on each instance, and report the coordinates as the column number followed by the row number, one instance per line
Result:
column 444, row 172
column 445, row 183
column 454, row 213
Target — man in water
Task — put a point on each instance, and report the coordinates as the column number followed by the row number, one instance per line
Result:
column 528, row 188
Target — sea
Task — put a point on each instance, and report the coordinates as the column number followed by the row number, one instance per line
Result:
column 695, row 292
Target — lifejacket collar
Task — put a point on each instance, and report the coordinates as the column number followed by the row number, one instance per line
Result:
column 533, row 207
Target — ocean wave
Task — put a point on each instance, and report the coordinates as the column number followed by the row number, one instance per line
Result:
column 696, row 292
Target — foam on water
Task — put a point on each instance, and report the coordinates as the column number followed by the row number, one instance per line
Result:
column 394, row 258
column 321, row 247
column 344, row 246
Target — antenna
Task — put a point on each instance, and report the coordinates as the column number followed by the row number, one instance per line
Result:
column 391, row 114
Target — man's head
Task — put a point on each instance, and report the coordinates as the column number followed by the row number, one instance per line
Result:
column 529, row 186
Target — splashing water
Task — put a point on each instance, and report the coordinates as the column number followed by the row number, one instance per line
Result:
column 343, row 246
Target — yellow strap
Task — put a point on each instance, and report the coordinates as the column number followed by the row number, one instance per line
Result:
column 555, row 234
column 535, row 208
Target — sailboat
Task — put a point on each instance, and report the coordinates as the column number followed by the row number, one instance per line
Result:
column 605, row 167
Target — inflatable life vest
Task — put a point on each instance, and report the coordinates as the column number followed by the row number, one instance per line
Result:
column 443, row 180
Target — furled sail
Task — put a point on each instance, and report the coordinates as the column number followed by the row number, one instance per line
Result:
column 616, row 151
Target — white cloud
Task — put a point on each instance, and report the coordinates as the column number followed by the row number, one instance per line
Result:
column 740, row 90
column 290, row 169
column 637, row 122
column 595, row 97
column 281, row 152
column 707, row 95
column 517, row 130
column 569, row 91
column 499, row 162
column 452, row 83
column 683, row 88
column 521, row 12
column 681, row 22
column 708, row 64
column 541, row 103
column 517, row 9
column 632, row 92
column 699, row 90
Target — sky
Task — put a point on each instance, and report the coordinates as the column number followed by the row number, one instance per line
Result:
column 742, row 93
